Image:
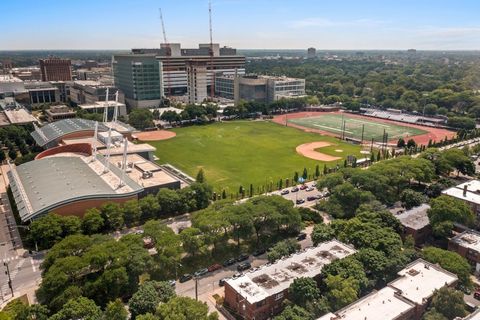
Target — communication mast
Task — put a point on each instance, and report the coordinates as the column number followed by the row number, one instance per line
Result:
column 166, row 68
column 212, row 85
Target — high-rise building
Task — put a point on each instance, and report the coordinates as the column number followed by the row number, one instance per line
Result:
column 138, row 77
column 172, row 65
column 197, row 81
column 56, row 69
column 311, row 53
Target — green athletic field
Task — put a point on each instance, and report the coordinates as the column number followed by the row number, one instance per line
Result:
column 243, row 152
column 353, row 127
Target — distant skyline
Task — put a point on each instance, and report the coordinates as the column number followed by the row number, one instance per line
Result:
column 243, row 24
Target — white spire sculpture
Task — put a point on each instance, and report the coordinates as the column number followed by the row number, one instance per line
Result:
column 106, row 166
column 115, row 109
column 105, row 110
column 94, row 142
column 124, row 162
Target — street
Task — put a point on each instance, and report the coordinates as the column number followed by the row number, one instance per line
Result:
column 24, row 269
column 208, row 284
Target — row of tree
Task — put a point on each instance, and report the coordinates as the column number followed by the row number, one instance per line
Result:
column 51, row 228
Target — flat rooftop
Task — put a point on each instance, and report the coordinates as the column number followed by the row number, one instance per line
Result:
column 42, row 185
column 468, row 239
column 137, row 165
column 100, row 105
column 472, row 193
column 385, row 304
column 420, row 279
column 120, row 127
column 415, row 218
column 473, row 316
column 269, row 279
column 9, row 78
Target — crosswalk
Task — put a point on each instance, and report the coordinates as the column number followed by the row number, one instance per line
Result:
column 13, row 273
column 12, row 258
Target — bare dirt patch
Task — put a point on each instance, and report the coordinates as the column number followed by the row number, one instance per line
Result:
column 308, row 150
column 155, row 135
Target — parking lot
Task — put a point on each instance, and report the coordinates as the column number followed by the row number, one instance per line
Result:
column 306, row 195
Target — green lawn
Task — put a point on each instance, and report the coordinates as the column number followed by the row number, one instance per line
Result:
column 353, row 127
column 243, row 152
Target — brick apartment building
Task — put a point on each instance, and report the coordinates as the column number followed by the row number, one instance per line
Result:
column 56, row 69
column 405, row 298
column 259, row 294
column 415, row 223
column 467, row 244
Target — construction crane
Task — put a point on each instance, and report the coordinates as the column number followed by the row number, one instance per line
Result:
column 166, row 68
column 212, row 84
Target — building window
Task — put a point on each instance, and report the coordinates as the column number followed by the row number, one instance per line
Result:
column 278, row 296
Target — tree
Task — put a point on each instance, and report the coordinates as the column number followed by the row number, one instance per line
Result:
column 147, row 316
column 449, row 303
column 295, row 177
column 305, row 174
column 131, row 212
column 200, row 176
column 140, row 118
column 444, row 211
column 145, row 300
column 149, row 207
column 46, row 230
column 401, row 143
column 341, row 291
column 282, row 249
column 12, row 154
column 411, row 144
column 294, row 313
column 303, row 290
column 317, row 171
column 186, row 309
column 169, row 201
column 92, row 221
column 112, row 213
column 115, row 310
column 321, row 233
column 79, row 308
column 411, row 198
column 192, row 240
column 450, row 261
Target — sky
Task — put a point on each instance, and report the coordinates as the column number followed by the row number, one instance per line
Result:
column 244, row 24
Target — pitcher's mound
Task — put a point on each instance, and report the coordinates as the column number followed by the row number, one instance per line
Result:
column 308, row 150
column 155, row 135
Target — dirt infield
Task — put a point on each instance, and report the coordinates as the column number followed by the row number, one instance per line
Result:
column 308, row 150
column 434, row 134
column 155, row 135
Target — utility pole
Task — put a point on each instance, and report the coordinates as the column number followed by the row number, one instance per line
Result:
column 9, row 278
column 363, row 130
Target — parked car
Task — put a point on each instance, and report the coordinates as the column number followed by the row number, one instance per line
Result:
column 300, row 201
column 312, row 198
column 244, row 266
column 303, row 187
column 310, row 189
column 237, row 275
column 214, row 267
column 301, row 236
column 242, row 257
column 258, row 252
column 201, row 272
column 284, row 192
column 171, row 282
column 229, row 262
column 185, row 277
column 295, row 189
column 476, row 294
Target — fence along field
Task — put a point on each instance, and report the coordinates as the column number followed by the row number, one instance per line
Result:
column 334, row 123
